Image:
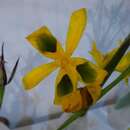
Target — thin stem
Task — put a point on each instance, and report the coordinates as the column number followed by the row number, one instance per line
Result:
column 74, row 117
column 116, row 81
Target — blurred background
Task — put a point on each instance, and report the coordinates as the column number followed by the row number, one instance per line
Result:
column 108, row 22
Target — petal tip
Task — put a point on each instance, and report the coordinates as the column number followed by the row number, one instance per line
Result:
column 26, row 83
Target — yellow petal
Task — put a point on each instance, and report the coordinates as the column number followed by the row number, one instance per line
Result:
column 72, row 73
column 77, row 60
column 68, row 86
column 101, row 74
column 88, row 71
column 97, row 55
column 75, row 30
column 92, row 68
column 95, row 91
column 59, row 77
column 45, row 42
column 32, row 78
column 77, row 100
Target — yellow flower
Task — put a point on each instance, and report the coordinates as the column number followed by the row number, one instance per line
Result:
column 102, row 59
column 71, row 68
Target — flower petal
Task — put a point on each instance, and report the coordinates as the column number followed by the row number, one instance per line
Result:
column 86, row 97
column 77, row 100
column 45, row 42
column 97, row 55
column 77, row 60
column 87, row 72
column 72, row 102
column 101, row 74
column 65, row 84
column 76, row 28
column 60, row 86
column 90, row 73
column 32, row 78
column 87, row 69
column 73, row 74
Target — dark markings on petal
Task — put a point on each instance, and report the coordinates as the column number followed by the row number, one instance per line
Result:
column 87, row 73
column 47, row 43
column 65, row 86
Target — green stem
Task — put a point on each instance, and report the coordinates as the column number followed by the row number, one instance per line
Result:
column 72, row 118
column 115, row 82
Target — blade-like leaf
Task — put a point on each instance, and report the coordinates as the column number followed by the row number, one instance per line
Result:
column 3, row 65
column 110, row 67
column 2, row 52
column 1, row 94
column 13, row 71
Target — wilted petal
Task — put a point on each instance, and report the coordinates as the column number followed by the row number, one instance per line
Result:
column 95, row 91
column 77, row 100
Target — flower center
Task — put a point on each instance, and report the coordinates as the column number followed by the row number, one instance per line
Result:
column 64, row 60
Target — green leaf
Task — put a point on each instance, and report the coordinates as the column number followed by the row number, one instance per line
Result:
column 2, row 65
column 13, row 71
column 110, row 67
column 87, row 73
column 65, row 86
column 1, row 94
